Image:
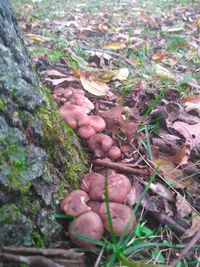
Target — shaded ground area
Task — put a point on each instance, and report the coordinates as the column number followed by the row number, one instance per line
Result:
column 141, row 60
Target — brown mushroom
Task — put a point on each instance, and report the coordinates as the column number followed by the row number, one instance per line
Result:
column 94, row 205
column 100, row 144
column 88, row 224
column 86, row 131
column 75, row 203
column 89, row 178
column 114, row 153
column 73, row 115
column 120, row 215
column 118, row 188
column 97, row 123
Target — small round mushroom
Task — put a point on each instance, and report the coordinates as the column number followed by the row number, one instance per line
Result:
column 94, row 205
column 88, row 224
column 73, row 115
column 75, row 203
column 114, row 153
column 86, row 131
column 97, row 123
column 118, row 188
column 120, row 215
column 100, row 144
column 90, row 178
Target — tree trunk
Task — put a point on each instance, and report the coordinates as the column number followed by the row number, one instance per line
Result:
column 40, row 157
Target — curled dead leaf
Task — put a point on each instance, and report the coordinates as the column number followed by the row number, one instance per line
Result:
column 183, row 208
column 94, row 87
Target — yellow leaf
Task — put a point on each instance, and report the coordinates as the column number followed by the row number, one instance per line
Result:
column 163, row 73
column 38, row 38
column 115, row 46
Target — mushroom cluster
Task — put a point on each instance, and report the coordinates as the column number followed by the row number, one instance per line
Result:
column 89, row 207
column 75, row 111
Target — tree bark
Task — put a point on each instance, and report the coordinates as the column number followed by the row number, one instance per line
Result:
column 40, row 158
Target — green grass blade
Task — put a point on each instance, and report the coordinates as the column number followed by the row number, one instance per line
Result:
column 144, row 245
column 113, row 237
column 137, row 206
column 89, row 240
column 155, row 101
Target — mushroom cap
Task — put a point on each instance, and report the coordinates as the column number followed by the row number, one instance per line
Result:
column 94, row 205
column 120, row 215
column 86, row 131
column 97, row 123
column 118, row 188
column 73, row 115
column 88, row 224
column 75, row 203
column 114, row 153
column 89, row 178
column 100, row 144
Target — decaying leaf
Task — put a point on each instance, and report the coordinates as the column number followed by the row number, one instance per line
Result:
column 192, row 103
column 195, row 227
column 115, row 46
column 183, row 208
column 172, row 174
column 116, row 121
column 163, row 73
column 38, row 38
column 162, row 191
column 94, row 87
column 159, row 56
column 190, row 132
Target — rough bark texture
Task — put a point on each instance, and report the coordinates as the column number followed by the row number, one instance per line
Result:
column 40, row 158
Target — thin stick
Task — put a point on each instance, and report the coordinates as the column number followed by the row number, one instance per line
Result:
column 120, row 167
column 99, row 257
column 194, row 240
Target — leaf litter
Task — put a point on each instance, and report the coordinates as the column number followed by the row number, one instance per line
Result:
column 141, row 74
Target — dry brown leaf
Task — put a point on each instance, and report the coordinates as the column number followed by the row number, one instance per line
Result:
column 159, row 56
column 162, row 191
column 55, row 82
column 169, row 172
column 195, row 227
column 190, row 132
column 183, row 208
column 94, row 87
column 54, row 73
column 192, row 103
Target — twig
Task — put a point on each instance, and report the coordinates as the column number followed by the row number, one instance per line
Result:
column 99, row 257
column 34, row 261
column 120, row 167
column 194, row 240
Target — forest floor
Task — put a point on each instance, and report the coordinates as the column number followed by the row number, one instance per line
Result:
column 141, row 59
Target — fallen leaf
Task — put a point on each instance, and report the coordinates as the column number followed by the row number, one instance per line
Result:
column 159, row 56
column 121, row 74
column 162, row 191
column 163, row 73
column 56, row 82
column 170, row 173
column 195, row 227
column 38, row 38
column 190, row 132
column 183, row 208
column 94, row 87
column 115, row 46
column 54, row 73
